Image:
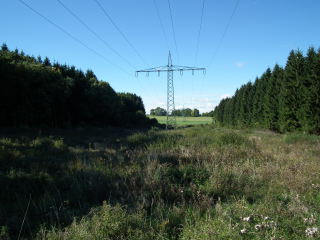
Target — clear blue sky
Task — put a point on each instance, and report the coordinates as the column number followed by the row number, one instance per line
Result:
column 261, row 33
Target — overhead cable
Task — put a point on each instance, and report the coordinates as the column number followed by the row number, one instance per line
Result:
column 161, row 25
column 175, row 41
column 234, row 10
column 195, row 60
column 83, row 44
column 127, row 41
column 224, row 33
column 95, row 34
column 121, row 32
column 174, row 35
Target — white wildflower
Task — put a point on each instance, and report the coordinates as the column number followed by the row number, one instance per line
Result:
column 257, row 227
column 311, row 231
column 273, row 224
column 266, row 218
column 247, row 219
column 235, row 226
column 243, row 231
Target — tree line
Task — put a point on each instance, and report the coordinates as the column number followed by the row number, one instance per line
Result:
column 187, row 112
column 35, row 92
column 282, row 99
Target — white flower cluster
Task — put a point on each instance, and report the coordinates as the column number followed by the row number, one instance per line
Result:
column 265, row 224
column 311, row 231
column 310, row 220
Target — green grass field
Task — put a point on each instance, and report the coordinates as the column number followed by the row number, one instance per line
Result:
column 188, row 120
column 200, row 182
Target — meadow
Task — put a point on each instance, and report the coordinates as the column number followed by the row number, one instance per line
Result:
column 186, row 121
column 201, row 182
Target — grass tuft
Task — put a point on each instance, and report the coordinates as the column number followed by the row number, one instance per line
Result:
column 199, row 182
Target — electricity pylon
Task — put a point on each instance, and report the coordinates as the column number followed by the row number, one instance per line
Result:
column 171, row 118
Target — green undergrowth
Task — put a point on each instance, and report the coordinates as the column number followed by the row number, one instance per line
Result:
column 199, row 182
column 299, row 137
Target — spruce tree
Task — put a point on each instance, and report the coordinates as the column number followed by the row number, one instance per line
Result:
column 271, row 99
column 244, row 104
column 263, row 90
column 237, row 106
column 309, row 113
column 251, row 104
column 292, row 97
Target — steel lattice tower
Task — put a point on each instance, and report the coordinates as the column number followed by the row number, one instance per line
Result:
column 171, row 115
column 171, row 120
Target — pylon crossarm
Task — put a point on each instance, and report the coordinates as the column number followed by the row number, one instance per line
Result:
column 171, row 68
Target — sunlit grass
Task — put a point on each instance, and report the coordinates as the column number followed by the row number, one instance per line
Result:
column 186, row 120
column 201, row 182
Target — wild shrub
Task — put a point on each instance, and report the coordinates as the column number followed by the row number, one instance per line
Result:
column 42, row 143
column 137, row 139
column 292, row 138
column 233, row 138
column 110, row 222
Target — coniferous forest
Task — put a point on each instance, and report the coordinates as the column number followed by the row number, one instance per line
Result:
column 282, row 99
column 35, row 92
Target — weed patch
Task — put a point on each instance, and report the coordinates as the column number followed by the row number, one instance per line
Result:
column 199, row 182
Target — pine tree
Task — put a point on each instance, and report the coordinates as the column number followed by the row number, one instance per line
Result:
column 256, row 110
column 243, row 105
column 292, row 97
column 237, row 106
column 4, row 47
column 309, row 113
column 271, row 100
column 265, row 78
column 46, row 62
column 251, row 104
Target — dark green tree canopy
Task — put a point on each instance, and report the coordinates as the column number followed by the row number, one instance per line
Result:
column 284, row 99
column 35, row 92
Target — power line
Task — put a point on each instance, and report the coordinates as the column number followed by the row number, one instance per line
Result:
column 121, row 32
column 174, row 35
column 167, row 42
column 175, row 41
column 220, row 43
column 95, row 34
column 161, row 25
column 74, row 38
column 127, row 41
column 195, row 60
column 224, row 33
column 83, row 44
column 98, row 36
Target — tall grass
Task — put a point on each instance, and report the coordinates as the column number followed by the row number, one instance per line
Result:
column 195, row 183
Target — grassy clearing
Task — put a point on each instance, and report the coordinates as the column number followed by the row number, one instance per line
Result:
column 196, row 183
column 188, row 120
